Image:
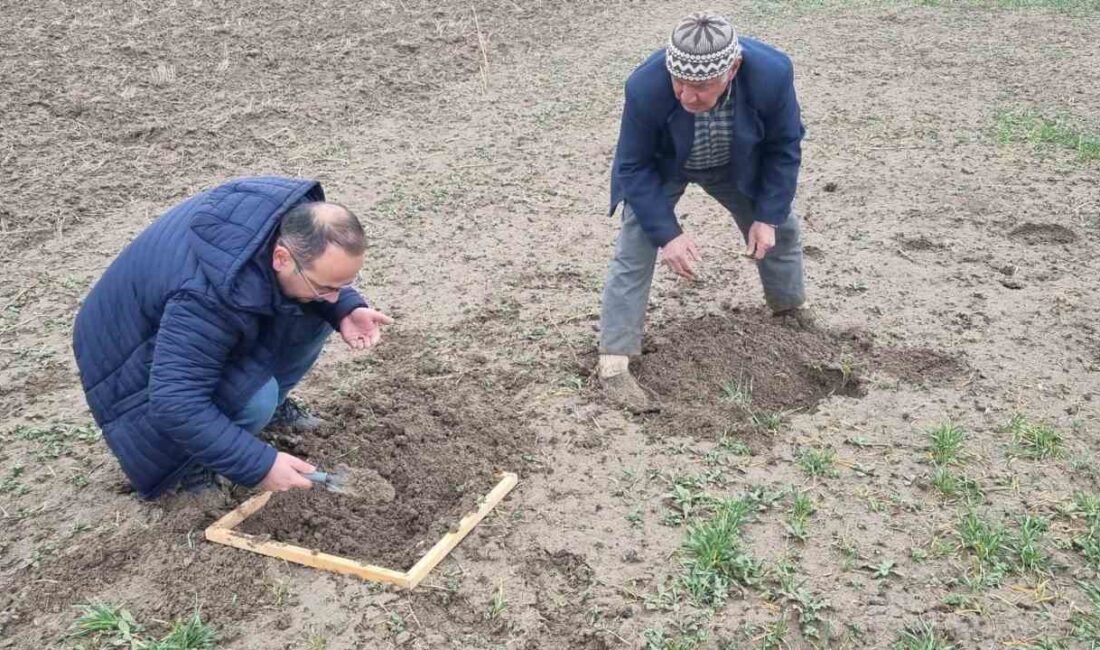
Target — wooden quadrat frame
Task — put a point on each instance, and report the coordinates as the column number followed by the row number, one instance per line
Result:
column 222, row 532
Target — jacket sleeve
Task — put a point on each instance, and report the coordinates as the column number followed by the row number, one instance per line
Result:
column 334, row 312
column 781, row 156
column 192, row 346
column 639, row 137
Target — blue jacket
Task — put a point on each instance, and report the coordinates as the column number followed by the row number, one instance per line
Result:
column 182, row 329
column 656, row 136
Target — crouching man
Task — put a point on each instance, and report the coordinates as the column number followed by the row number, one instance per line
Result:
column 191, row 340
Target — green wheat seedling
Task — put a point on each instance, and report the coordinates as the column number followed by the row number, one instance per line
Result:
column 767, row 421
column 920, row 636
column 190, row 634
column 946, row 443
column 738, row 391
column 952, row 485
column 817, row 462
column 997, row 550
column 1086, row 622
column 1089, row 542
column 497, row 605
column 109, row 626
column 775, row 634
column 715, row 558
column 1062, row 130
column 1027, row 544
column 1035, row 441
column 97, row 619
column 987, row 542
column 802, row 506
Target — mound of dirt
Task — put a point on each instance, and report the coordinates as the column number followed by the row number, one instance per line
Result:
column 426, row 446
column 720, row 374
column 1043, row 233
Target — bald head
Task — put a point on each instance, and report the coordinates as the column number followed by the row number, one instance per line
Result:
column 308, row 229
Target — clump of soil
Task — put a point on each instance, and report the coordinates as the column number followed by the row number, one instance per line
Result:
column 717, row 374
column 426, row 446
column 366, row 485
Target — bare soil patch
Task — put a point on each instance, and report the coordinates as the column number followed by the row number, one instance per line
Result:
column 437, row 439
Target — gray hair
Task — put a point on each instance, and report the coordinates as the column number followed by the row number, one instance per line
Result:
column 309, row 228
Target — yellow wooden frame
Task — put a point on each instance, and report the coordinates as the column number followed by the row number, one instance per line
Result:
column 222, row 532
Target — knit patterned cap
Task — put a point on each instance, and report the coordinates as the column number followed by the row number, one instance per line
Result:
column 702, row 46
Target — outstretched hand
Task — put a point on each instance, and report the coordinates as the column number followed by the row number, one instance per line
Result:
column 681, row 255
column 362, row 328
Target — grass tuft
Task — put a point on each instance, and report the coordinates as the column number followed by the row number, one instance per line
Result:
column 1086, row 622
column 190, row 634
column 818, row 462
column 1033, row 440
column 1089, row 541
column 739, row 392
column 715, row 558
column 947, row 440
column 802, row 506
column 1062, row 130
column 920, row 636
column 98, row 619
column 114, row 627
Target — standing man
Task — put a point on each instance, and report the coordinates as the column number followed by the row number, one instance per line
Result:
column 719, row 111
column 191, row 340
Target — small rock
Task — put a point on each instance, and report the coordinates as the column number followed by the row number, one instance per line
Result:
column 1012, row 283
column 830, row 186
column 403, row 638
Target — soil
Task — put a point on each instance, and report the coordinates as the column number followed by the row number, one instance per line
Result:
column 714, row 373
column 365, row 485
column 953, row 272
column 436, row 441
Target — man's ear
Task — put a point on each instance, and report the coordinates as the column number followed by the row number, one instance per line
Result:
column 735, row 67
column 280, row 258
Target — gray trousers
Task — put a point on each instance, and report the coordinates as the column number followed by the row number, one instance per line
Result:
column 630, row 274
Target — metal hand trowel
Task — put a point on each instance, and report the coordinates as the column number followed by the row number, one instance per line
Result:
column 331, row 481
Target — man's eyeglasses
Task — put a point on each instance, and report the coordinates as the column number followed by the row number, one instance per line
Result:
column 320, row 291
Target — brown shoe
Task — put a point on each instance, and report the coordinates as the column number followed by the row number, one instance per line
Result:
column 799, row 318
column 623, row 391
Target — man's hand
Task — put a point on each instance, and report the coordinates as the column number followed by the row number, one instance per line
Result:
column 681, row 255
column 362, row 328
column 286, row 474
column 761, row 240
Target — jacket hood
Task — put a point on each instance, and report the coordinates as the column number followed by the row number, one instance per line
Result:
column 231, row 232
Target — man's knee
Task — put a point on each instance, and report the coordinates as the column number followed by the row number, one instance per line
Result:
column 257, row 412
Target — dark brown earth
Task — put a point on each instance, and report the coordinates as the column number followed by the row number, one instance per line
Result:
column 720, row 374
column 437, row 439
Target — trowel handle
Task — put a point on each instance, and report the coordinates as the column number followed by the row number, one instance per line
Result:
column 317, row 477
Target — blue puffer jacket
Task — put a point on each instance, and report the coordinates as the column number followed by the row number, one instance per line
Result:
column 182, row 330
